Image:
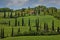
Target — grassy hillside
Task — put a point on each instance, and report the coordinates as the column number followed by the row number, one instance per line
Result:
column 48, row 19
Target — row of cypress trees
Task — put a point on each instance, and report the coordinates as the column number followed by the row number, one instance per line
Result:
column 10, row 14
column 17, row 23
column 46, row 29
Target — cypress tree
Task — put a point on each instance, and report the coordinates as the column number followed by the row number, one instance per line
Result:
column 15, row 21
column 22, row 21
column 8, row 14
column 12, row 33
column 18, row 23
column 9, row 23
column 11, row 15
column 4, row 14
column 29, row 22
column 22, row 14
column 15, row 14
column 29, row 25
column 2, row 33
column 53, row 25
column 47, row 10
column 18, row 30
column 44, row 13
column 39, row 11
column 58, row 29
column 45, row 27
column 35, row 12
column 37, row 24
column 18, row 14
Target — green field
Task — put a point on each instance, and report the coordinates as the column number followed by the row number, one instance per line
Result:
column 48, row 19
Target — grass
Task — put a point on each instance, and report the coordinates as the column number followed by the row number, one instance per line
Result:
column 53, row 37
column 48, row 19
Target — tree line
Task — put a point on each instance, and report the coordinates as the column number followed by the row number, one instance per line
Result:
column 33, row 11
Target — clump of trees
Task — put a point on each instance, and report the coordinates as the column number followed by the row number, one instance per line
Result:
column 5, row 9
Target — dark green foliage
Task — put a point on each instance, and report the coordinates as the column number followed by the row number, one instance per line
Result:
column 2, row 33
column 4, row 14
column 22, row 21
column 18, row 30
column 58, row 29
column 8, row 14
column 15, row 21
column 29, row 22
column 44, row 13
column 45, row 27
column 9, row 23
column 37, row 24
column 12, row 33
column 5, row 9
column 15, row 14
column 34, row 11
column 11, row 15
column 24, row 14
column 53, row 25
column 18, row 23
column 18, row 14
column 29, row 25
column 21, row 14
